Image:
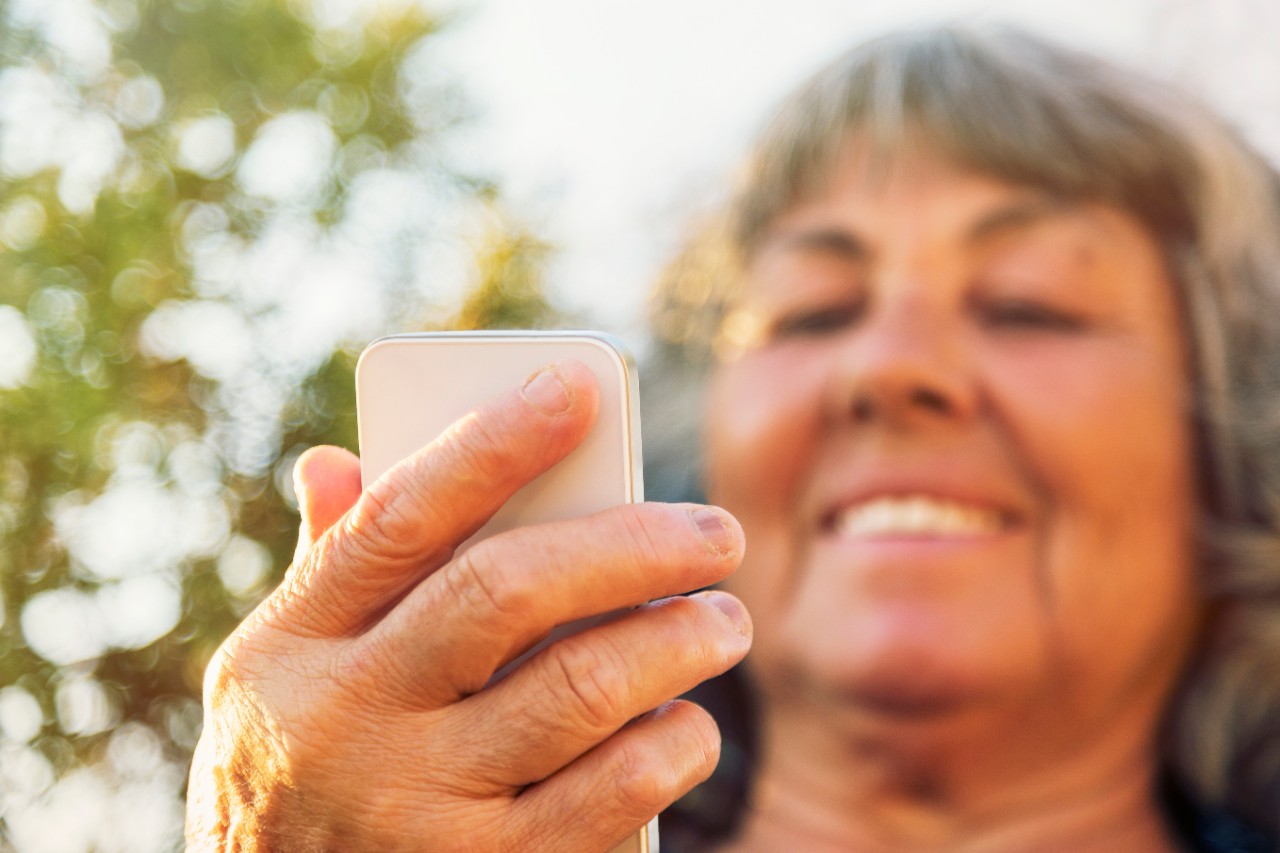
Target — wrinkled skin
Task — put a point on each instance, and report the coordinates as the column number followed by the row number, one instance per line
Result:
column 350, row 710
column 944, row 338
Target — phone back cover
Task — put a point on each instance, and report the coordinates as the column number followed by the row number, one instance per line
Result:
column 414, row 387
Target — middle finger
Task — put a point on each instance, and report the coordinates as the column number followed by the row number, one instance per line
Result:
column 577, row 692
column 445, row 640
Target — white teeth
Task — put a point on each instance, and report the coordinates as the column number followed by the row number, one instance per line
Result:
column 916, row 515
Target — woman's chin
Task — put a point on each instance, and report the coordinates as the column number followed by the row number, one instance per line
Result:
column 911, row 667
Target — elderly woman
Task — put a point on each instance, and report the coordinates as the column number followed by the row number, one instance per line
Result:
column 994, row 409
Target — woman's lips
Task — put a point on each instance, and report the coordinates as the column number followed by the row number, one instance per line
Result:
column 917, row 516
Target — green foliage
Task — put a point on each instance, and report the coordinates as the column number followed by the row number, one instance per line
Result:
column 508, row 290
column 177, row 322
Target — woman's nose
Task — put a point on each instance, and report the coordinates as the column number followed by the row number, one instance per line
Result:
column 905, row 365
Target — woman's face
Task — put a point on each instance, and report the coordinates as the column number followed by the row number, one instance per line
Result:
column 959, row 447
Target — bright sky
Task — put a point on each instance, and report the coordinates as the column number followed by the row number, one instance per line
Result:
column 610, row 123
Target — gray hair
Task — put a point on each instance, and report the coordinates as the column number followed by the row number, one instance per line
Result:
column 1017, row 108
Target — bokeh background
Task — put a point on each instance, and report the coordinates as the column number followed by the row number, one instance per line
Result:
column 207, row 207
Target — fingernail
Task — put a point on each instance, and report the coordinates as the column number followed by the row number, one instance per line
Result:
column 546, row 392
column 712, row 529
column 732, row 609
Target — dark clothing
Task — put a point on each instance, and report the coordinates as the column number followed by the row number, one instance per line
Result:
column 1204, row 831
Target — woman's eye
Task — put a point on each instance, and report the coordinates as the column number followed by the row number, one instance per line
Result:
column 815, row 322
column 1018, row 314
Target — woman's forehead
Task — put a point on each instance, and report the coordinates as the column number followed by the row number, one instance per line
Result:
column 857, row 200
column 859, row 163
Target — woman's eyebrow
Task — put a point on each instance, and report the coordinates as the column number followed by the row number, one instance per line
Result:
column 832, row 241
column 842, row 243
column 1018, row 215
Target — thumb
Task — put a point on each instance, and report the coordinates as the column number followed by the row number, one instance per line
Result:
column 327, row 482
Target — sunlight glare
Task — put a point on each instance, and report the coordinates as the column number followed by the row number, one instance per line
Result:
column 206, row 145
column 17, row 348
column 20, row 716
column 290, row 159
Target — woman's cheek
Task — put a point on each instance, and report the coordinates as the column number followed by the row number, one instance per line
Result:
column 761, row 419
column 1104, row 437
column 761, row 416
column 1097, row 425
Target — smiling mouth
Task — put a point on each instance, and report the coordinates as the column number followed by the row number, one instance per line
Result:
column 917, row 516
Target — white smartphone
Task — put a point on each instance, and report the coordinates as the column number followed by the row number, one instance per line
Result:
column 410, row 388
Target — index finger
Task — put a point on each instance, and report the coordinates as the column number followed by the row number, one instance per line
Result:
column 408, row 522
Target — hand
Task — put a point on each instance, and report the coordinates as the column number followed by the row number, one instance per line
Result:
column 350, row 710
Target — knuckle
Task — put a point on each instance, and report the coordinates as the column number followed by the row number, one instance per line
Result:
column 361, row 663
column 643, row 784
column 694, row 641
column 480, row 583
column 472, row 461
column 689, row 626
column 480, row 452
column 700, row 629
column 641, row 529
column 380, row 521
column 594, row 681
